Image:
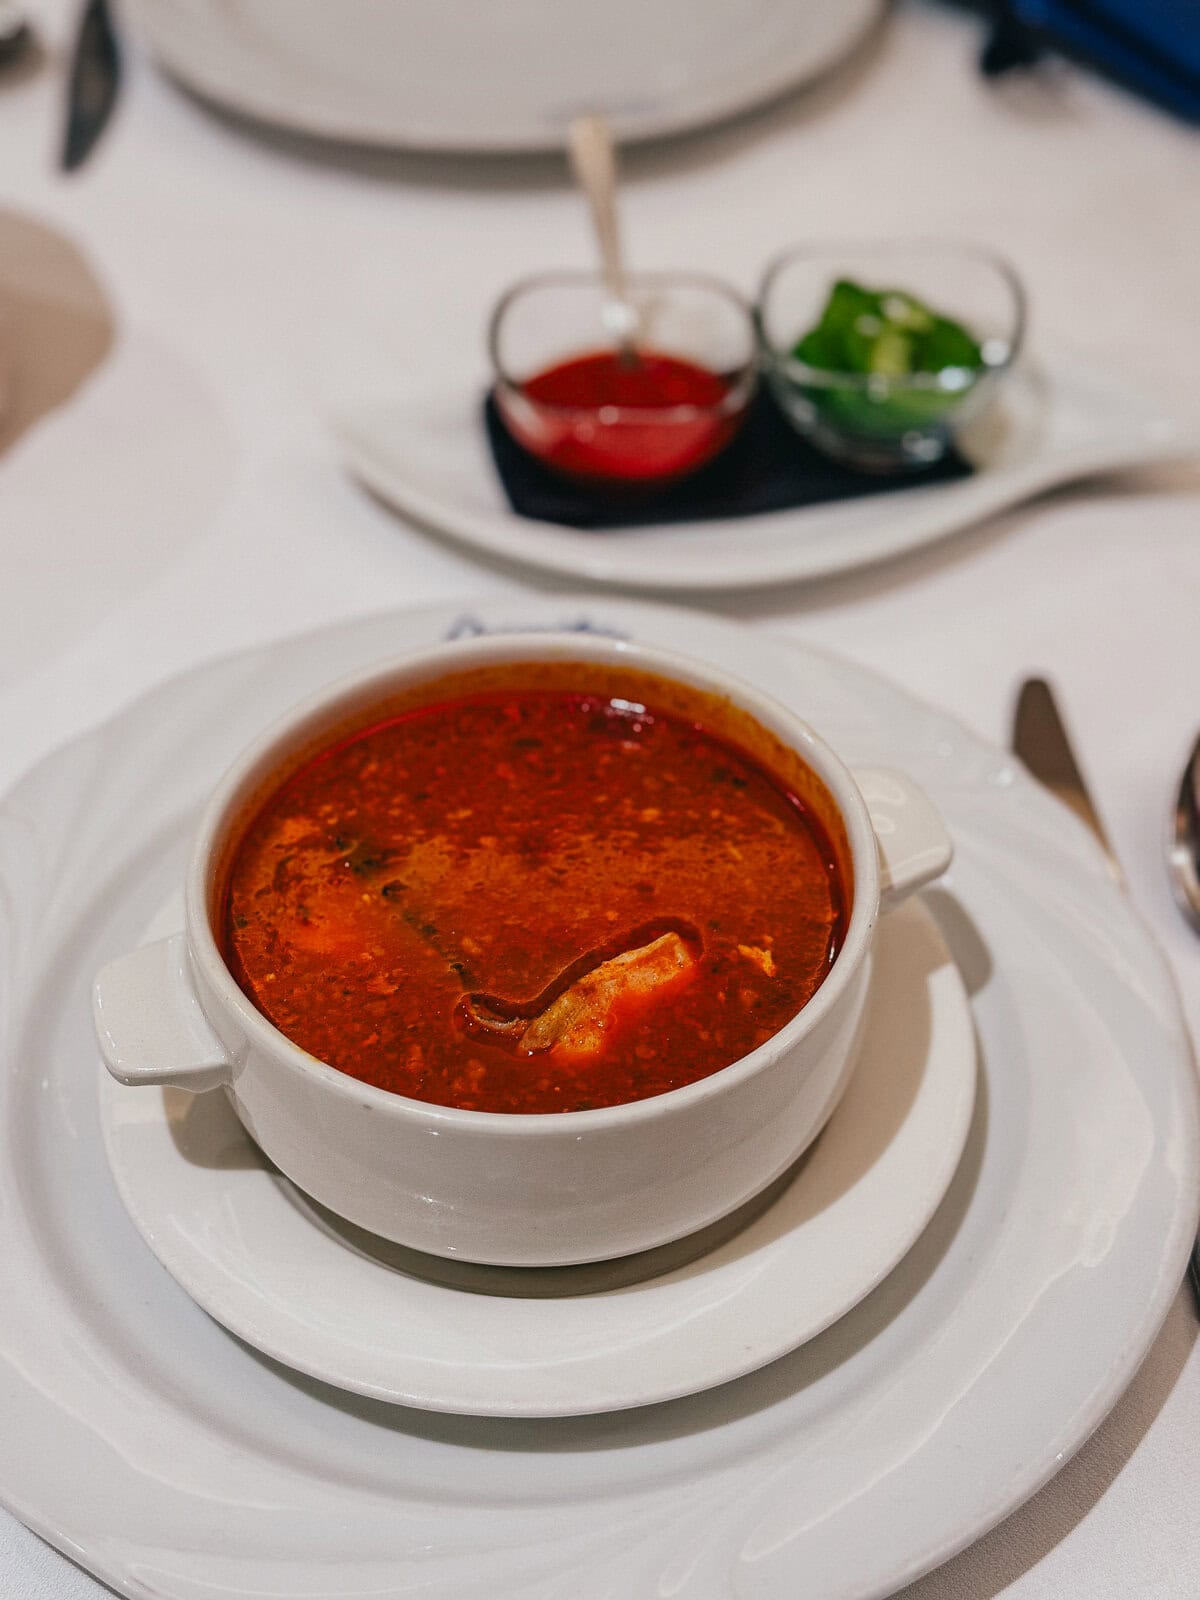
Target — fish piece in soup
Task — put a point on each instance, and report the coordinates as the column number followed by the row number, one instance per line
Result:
column 577, row 1021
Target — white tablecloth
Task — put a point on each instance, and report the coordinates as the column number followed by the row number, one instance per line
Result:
column 187, row 501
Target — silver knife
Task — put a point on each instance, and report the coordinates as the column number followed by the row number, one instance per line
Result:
column 92, row 86
column 1040, row 739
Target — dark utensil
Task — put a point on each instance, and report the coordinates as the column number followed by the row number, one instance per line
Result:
column 16, row 36
column 93, row 83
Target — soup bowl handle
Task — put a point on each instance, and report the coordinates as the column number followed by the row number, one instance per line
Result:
column 150, row 1025
column 914, row 843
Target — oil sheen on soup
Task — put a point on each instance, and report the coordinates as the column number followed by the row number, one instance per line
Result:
column 531, row 900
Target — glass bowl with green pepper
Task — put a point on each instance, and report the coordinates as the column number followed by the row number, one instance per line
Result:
column 880, row 354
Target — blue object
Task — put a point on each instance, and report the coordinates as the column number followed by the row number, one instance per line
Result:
column 1152, row 46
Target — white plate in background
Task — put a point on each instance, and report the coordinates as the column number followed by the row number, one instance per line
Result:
column 497, row 78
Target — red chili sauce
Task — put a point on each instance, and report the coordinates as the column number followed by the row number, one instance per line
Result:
column 531, row 902
column 604, row 416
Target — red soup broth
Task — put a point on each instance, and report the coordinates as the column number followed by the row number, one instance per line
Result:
column 542, row 888
column 601, row 416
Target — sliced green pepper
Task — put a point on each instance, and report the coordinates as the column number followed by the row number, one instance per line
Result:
column 887, row 335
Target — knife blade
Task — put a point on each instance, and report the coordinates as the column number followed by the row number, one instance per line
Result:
column 1039, row 738
column 92, row 85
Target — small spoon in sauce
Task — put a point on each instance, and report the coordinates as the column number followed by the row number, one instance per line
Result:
column 589, row 143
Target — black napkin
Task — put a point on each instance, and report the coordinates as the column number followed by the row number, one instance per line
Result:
column 768, row 467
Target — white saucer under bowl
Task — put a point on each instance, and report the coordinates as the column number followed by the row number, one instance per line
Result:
column 423, row 452
column 342, row 1305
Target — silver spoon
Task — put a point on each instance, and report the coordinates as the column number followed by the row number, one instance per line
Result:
column 1183, row 858
column 1183, row 845
column 589, row 143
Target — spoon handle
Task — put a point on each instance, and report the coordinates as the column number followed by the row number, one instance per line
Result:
column 590, row 145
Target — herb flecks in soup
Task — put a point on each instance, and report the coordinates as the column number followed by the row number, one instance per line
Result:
column 532, row 900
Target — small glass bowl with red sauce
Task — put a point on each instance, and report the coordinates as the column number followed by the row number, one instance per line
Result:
column 625, row 419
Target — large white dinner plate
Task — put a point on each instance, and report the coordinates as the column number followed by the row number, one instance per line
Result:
column 436, row 75
column 337, row 1303
column 424, row 453
column 176, row 1462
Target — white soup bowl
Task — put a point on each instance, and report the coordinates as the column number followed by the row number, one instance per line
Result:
column 522, row 1189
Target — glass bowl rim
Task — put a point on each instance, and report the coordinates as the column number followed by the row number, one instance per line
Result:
column 881, row 384
column 735, row 399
